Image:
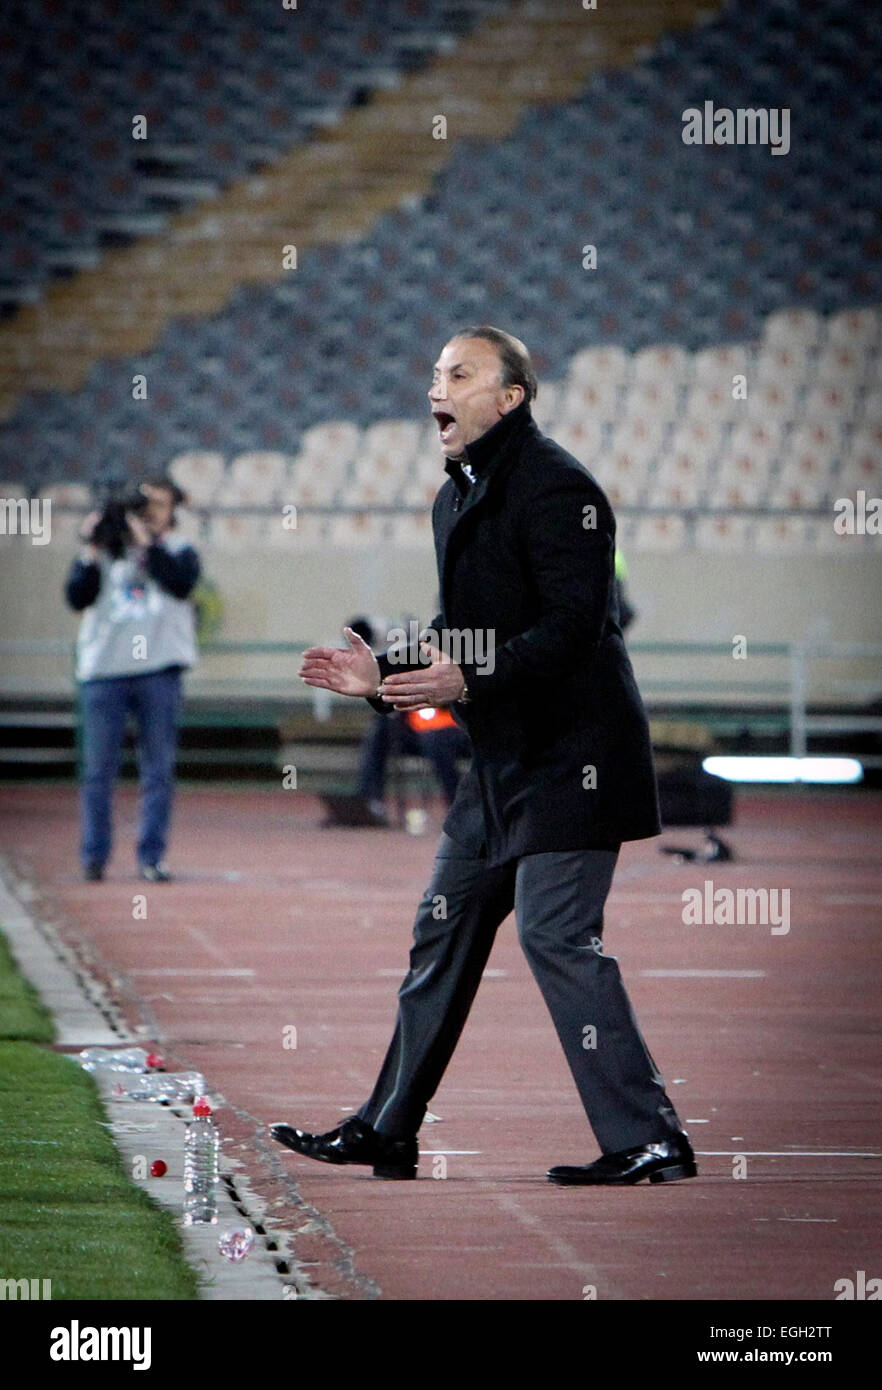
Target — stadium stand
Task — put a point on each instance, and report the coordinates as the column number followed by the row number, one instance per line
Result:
column 678, row 304
column 223, row 88
column 305, row 387
column 661, row 432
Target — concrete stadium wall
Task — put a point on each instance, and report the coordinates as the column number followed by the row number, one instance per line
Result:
column 279, row 596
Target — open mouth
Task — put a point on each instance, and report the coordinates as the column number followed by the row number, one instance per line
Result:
column 446, row 424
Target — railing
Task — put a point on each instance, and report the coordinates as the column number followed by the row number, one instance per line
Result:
column 802, row 724
column 796, row 684
column 690, row 513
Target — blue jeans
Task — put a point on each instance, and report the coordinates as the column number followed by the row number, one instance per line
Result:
column 154, row 699
column 391, row 734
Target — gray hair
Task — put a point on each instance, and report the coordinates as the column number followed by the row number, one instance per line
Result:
column 515, row 363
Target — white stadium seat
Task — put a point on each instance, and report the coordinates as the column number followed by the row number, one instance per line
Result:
column 198, row 472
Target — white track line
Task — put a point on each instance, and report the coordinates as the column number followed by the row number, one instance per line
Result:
column 703, row 974
column 778, row 1153
column 168, row 972
column 853, row 899
column 562, row 1251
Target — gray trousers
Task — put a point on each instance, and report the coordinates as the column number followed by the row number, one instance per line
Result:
column 558, row 902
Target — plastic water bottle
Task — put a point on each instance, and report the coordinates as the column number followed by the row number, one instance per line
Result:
column 235, row 1243
column 120, row 1059
column 201, row 1177
column 177, row 1087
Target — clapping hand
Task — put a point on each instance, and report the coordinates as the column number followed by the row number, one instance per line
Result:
column 440, row 683
column 352, row 672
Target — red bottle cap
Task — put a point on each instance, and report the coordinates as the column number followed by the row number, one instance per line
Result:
column 202, row 1107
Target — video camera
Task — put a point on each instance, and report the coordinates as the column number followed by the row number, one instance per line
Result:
column 111, row 531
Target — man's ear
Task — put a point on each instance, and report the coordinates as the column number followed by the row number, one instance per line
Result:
column 512, row 397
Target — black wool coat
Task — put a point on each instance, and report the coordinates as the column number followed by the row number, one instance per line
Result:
column 561, row 752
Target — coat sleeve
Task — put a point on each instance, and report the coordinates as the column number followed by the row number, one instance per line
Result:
column 568, row 534
column 406, row 661
column 83, row 584
column 177, row 572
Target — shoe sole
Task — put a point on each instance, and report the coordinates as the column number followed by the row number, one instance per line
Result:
column 395, row 1172
column 682, row 1170
column 675, row 1173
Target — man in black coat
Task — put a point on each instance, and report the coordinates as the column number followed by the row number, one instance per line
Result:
column 528, row 654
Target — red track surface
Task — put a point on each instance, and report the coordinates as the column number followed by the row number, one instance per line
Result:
column 785, row 1062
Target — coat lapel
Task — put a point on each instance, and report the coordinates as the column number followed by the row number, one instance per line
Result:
column 458, row 522
column 461, row 508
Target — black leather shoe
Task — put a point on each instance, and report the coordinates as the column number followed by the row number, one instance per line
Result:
column 93, row 872
column 353, row 1142
column 667, row 1161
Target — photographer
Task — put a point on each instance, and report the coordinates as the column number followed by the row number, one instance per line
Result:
column 132, row 581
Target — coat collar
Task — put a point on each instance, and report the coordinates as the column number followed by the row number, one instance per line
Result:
column 483, row 452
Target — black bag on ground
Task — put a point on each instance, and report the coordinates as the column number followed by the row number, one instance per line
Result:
column 690, row 796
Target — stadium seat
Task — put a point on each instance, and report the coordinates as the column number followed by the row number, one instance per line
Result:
column 411, row 532
column 199, row 474
column 255, row 477
column 723, row 533
column 659, row 533
column 357, row 530
column 782, row 535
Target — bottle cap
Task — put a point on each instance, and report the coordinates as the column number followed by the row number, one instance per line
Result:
column 202, row 1106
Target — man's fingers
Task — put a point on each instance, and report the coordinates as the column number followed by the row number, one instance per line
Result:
column 435, row 654
column 319, row 681
column 404, row 692
column 393, row 697
column 406, row 687
column 324, row 661
column 405, row 681
column 320, row 653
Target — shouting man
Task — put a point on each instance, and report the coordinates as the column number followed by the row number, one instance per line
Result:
column 562, row 773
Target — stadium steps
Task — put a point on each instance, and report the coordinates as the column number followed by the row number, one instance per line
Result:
column 330, row 190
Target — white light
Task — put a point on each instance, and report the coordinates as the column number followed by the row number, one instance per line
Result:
column 785, row 769
column 427, row 713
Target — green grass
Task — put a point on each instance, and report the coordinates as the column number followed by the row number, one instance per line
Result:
column 68, row 1210
column 21, row 1013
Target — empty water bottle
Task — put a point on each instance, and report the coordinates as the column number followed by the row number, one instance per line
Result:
column 177, row 1087
column 120, row 1059
column 235, row 1243
column 201, row 1177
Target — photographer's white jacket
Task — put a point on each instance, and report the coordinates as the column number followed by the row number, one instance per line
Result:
column 138, row 617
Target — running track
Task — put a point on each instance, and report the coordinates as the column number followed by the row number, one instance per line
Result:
column 769, row 1044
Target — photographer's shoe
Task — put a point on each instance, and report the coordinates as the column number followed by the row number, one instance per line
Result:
column 667, row 1161
column 353, row 1142
column 154, row 873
